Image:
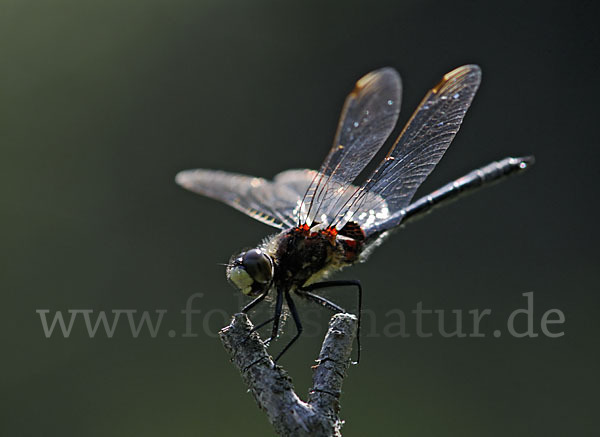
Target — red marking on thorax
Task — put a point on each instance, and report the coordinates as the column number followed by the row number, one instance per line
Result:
column 330, row 233
column 303, row 229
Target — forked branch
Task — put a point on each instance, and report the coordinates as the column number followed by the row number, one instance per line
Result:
column 272, row 387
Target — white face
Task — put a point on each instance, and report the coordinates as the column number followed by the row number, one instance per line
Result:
column 251, row 272
column 241, row 279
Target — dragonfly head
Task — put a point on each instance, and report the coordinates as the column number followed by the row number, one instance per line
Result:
column 251, row 272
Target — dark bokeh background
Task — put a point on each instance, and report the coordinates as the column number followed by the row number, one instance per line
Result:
column 103, row 102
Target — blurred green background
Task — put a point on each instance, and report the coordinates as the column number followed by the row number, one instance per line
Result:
column 102, row 102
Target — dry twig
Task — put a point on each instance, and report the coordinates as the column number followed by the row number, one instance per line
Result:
column 272, row 387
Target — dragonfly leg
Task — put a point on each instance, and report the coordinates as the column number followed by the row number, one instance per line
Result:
column 323, row 302
column 292, row 306
column 275, row 319
column 306, row 291
column 255, row 302
column 251, row 305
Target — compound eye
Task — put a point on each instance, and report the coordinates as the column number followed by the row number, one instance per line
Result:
column 258, row 265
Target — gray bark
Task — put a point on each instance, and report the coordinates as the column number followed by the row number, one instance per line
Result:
column 272, row 387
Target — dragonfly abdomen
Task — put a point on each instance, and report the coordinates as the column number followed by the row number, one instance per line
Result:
column 477, row 178
column 483, row 176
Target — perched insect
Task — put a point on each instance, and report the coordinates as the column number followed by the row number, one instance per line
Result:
column 326, row 222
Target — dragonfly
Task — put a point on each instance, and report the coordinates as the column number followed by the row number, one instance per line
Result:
column 326, row 221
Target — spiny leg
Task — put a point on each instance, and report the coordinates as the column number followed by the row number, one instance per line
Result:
column 326, row 303
column 251, row 305
column 276, row 317
column 323, row 302
column 255, row 302
column 260, row 325
column 292, row 306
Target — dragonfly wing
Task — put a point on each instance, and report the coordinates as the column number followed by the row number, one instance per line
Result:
column 419, row 147
column 272, row 202
column 368, row 117
column 299, row 180
column 276, row 203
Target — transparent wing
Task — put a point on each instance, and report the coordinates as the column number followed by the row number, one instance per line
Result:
column 275, row 203
column 299, row 181
column 418, row 149
column 368, row 117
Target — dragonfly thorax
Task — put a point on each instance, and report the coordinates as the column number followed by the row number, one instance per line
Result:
column 301, row 255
